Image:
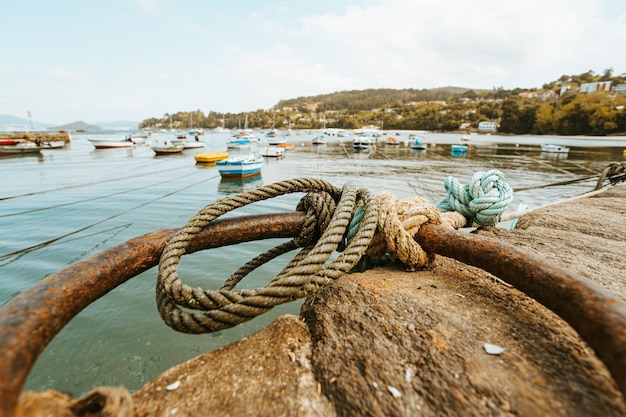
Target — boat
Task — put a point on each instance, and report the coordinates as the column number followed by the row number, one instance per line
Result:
column 20, row 148
column 192, row 144
column 361, row 141
column 272, row 151
column 181, row 135
column 271, row 133
column 458, row 149
column 392, row 141
column 319, row 140
column 210, row 157
column 547, row 147
column 6, row 142
column 287, row 146
column 112, row 143
column 416, row 143
column 167, row 147
column 240, row 166
column 138, row 140
column 50, row 144
column 276, row 140
column 242, row 140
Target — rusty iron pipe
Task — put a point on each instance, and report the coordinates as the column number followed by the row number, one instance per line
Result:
column 597, row 315
column 30, row 321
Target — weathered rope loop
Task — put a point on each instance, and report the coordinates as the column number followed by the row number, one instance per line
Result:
column 349, row 221
column 483, row 200
column 615, row 172
column 306, row 273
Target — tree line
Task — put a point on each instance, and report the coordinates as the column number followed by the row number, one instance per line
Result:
column 567, row 112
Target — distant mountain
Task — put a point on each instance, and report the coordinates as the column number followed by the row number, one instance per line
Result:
column 15, row 123
column 79, row 126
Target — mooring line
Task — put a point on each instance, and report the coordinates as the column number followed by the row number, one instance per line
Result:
column 55, row 241
column 84, row 185
column 94, row 198
column 46, row 243
column 554, row 184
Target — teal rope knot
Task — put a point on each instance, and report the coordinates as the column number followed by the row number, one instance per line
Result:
column 483, row 200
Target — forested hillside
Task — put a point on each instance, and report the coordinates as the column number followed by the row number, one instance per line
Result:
column 559, row 107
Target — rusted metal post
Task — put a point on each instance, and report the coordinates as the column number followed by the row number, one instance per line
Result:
column 30, row 321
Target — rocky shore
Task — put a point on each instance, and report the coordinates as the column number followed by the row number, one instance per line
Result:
column 451, row 340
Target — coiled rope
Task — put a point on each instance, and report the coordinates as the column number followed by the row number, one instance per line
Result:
column 350, row 220
column 483, row 200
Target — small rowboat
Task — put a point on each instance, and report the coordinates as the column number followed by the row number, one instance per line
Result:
column 287, row 146
column 210, row 157
column 111, row 143
column 272, row 151
column 167, row 147
column 20, row 149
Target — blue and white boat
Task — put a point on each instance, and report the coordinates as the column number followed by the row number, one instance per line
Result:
column 242, row 140
column 416, row 143
column 458, row 149
column 240, row 166
column 362, row 141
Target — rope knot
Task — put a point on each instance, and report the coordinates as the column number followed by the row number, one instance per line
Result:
column 483, row 200
column 398, row 223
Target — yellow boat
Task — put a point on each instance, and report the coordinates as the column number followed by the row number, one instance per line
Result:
column 210, row 157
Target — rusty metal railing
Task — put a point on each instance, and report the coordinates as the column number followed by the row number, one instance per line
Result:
column 31, row 320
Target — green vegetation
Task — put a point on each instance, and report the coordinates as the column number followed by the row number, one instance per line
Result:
column 558, row 108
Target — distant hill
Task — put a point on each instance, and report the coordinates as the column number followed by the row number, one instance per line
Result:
column 373, row 98
column 79, row 126
column 108, row 126
column 9, row 122
column 16, row 123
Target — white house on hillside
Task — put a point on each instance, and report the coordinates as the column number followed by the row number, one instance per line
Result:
column 489, row 127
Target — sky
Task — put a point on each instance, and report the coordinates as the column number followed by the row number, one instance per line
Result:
column 112, row 60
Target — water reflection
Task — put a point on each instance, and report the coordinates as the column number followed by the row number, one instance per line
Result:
column 554, row 155
column 239, row 185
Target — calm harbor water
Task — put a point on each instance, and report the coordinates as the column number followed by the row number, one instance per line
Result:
column 66, row 204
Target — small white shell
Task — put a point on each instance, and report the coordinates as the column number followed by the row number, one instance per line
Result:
column 493, row 349
column 173, row 386
column 394, row 391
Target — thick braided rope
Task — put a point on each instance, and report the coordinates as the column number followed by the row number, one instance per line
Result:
column 483, row 200
column 216, row 310
column 398, row 223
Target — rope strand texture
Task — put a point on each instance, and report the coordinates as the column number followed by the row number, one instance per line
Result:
column 349, row 221
column 483, row 200
column 216, row 310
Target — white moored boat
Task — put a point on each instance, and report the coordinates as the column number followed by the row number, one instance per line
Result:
column 272, row 151
column 112, row 143
column 547, row 147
